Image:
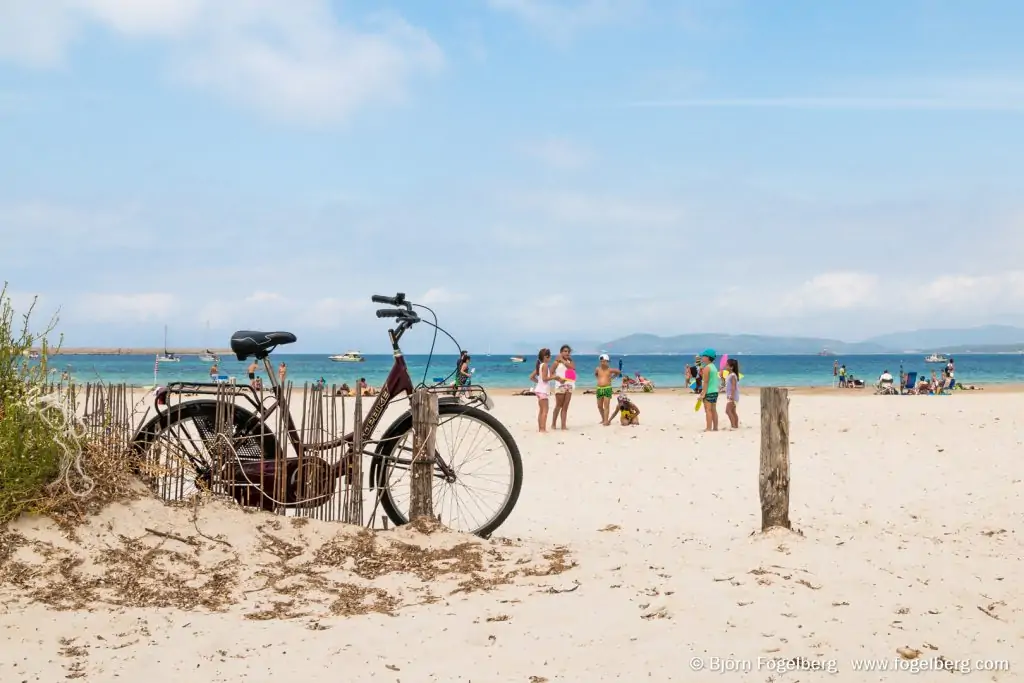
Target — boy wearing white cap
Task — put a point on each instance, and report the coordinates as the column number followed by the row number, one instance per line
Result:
column 605, row 374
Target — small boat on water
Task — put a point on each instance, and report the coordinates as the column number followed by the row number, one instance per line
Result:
column 517, row 359
column 825, row 352
column 936, row 358
column 207, row 356
column 166, row 356
column 347, row 357
column 33, row 355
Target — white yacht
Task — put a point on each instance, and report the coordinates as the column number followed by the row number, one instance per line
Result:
column 348, row 357
column 936, row 358
column 167, row 357
column 517, row 359
column 208, row 356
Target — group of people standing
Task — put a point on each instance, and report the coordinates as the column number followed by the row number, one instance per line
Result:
column 707, row 382
column 556, row 377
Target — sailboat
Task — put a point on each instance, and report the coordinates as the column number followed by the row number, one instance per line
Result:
column 209, row 356
column 167, row 357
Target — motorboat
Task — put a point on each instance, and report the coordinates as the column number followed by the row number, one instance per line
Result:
column 517, row 359
column 347, row 357
column 936, row 358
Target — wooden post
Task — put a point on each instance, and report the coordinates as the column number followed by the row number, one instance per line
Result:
column 424, row 425
column 774, row 474
column 355, row 465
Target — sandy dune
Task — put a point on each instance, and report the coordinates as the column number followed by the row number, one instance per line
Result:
column 908, row 511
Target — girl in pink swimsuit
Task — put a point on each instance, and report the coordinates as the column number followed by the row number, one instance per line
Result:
column 564, row 364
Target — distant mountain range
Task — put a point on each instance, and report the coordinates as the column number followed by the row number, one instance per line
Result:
column 986, row 339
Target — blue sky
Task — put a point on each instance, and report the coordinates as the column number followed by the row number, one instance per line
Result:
column 535, row 169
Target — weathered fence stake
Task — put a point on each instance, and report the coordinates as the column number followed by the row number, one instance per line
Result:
column 355, row 464
column 424, row 425
column 774, row 471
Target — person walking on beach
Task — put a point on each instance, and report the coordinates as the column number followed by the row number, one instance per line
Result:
column 709, row 391
column 605, row 374
column 835, row 373
column 732, row 392
column 842, row 376
column 462, row 373
column 282, row 373
column 214, row 371
column 565, row 378
column 541, row 375
column 252, row 373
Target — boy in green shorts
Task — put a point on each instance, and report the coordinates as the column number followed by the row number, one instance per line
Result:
column 604, row 374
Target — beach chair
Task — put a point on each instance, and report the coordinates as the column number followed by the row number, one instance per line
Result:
column 909, row 383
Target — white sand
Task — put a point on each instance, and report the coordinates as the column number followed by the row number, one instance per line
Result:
column 909, row 510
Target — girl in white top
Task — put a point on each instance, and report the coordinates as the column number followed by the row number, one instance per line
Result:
column 542, row 375
column 732, row 392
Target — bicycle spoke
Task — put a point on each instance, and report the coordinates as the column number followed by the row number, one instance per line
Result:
column 480, row 462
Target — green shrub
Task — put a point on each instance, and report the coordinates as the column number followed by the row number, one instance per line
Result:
column 31, row 446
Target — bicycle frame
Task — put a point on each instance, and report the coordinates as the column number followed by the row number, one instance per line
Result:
column 397, row 384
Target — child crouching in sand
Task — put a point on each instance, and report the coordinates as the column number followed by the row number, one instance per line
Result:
column 629, row 414
column 732, row 392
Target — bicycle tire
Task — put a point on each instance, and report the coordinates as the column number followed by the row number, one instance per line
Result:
column 403, row 425
column 245, row 425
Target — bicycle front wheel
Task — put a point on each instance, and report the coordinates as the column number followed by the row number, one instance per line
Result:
column 484, row 470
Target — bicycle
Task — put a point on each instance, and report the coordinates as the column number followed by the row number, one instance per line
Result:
column 256, row 446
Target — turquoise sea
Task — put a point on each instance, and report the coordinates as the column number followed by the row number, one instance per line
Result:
column 500, row 372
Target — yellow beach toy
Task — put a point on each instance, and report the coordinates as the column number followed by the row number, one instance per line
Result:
column 700, row 402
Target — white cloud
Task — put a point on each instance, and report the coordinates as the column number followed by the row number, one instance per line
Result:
column 87, row 227
column 35, row 33
column 833, row 291
column 260, row 297
column 334, row 313
column 440, row 295
column 560, row 20
column 601, row 210
column 23, row 302
column 293, row 61
column 559, row 153
column 124, row 308
column 274, row 311
column 843, row 103
column 890, row 300
column 966, row 291
column 976, row 92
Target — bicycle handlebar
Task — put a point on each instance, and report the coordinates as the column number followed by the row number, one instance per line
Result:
column 400, row 313
column 396, row 300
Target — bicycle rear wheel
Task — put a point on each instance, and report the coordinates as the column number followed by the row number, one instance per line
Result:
column 492, row 469
column 178, row 450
